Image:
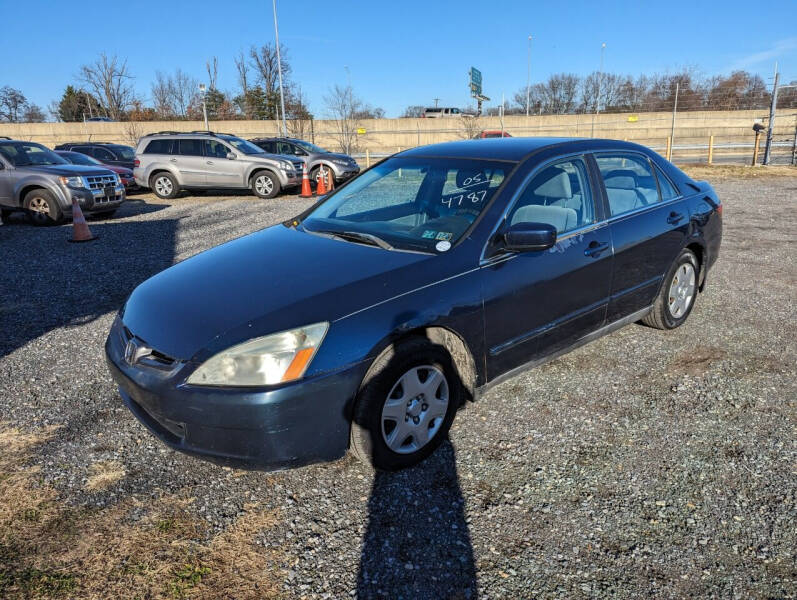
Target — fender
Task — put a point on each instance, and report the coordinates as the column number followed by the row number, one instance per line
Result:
column 39, row 182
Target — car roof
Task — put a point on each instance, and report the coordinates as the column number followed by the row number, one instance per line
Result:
column 514, row 149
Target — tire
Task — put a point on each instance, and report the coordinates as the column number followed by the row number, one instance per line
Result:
column 391, row 444
column 265, row 184
column 677, row 295
column 314, row 174
column 164, row 185
column 4, row 215
column 42, row 208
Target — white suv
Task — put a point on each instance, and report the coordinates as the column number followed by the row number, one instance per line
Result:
column 170, row 161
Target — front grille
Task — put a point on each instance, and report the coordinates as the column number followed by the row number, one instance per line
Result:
column 298, row 166
column 100, row 182
column 155, row 359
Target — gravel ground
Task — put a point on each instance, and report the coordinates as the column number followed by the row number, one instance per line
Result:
column 647, row 464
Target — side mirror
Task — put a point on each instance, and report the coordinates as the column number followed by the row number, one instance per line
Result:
column 231, row 156
column 528, row 237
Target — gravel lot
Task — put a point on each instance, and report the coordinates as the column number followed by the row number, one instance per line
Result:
column 647, row 464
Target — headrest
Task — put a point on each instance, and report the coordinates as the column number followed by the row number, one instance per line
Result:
column 555, row 183
column 621, row 179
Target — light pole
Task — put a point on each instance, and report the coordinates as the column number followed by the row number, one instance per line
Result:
column 528, row 78
column 203, row 91
column 279, row 69
column 598, row 97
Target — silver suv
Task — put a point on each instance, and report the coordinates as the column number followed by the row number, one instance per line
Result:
column 35, row 179
column 170, row 161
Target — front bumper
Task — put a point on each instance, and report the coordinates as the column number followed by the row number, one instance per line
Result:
column 347, row 173
column 93, row 200
column 289, row 426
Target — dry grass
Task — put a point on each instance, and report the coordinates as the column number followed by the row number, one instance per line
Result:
column 713, row 172
column 103, row 475
column 130, row 550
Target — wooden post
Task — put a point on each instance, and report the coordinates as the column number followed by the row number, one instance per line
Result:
column 710, row 149
column 755, row 147
column 367, row 159
column 668, row 153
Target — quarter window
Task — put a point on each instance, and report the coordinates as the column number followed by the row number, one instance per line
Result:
column 559, row 195
column 190, row 147
column 666, row 188
column 629, row 182
column 161, row 146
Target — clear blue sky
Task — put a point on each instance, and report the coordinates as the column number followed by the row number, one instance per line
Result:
column 398, row 53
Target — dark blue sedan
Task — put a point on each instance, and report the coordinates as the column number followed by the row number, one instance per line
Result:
column 369, row 319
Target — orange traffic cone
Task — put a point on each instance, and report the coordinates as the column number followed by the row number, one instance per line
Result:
column 321, row 187
column 80, row 229
column 306, row 191
column 330, row 181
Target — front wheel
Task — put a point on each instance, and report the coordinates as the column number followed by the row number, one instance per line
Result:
column 406, row 405
column 316, row 173
column 42, row 207
column 677, row 296
column 265, row 184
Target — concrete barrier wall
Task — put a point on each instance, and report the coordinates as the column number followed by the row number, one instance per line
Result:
column 387, row 135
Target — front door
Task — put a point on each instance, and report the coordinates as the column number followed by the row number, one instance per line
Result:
column 222, row 171
column 538, row 302
column 649, row 225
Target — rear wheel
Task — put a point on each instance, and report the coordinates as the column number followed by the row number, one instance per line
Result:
column 164, row 185
column 677, row 296
column 406, row 405
column 265, row 184
column 42, row 208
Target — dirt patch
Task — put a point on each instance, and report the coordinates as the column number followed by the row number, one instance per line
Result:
column 714, row 172
column 155, row 547
column 697, row 361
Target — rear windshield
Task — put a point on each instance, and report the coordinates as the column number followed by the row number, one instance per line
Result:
column 411, row 203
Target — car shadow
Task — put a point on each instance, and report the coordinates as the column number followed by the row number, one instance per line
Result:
column 47, row 282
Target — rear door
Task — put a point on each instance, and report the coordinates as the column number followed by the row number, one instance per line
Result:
column 648, row 230
column 190, row 161
column 538, row 302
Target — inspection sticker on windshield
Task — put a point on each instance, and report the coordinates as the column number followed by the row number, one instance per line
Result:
column 442, row 246
column 444, row 235
column 429, row 234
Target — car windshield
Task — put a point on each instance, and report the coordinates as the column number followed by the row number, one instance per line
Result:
column 422, row 204
column 126, row 152
column 76, row 158
column 242, row 145
column 310, row 147
column 26, row 154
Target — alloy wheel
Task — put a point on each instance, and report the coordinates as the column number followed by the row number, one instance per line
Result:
column 682, row 290
column 414, row 409
column 163, row 186
column 40, row 209
column 264, row 185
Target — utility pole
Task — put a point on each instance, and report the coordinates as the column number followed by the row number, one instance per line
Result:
column 528, row 78
column 598, row 98
column 674, row 111
column 279, row 69
column 436, row 100
column 203, row 92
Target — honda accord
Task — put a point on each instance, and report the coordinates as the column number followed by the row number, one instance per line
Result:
column 365, row 322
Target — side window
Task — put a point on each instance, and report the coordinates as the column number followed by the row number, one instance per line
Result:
column 666, row 187
column 269, row 147
column 629, row 181
column 284, row 148
column 188, row 147
column 161, row 146
column 83, row 150
column 102, row 154
column 558, row 195
column 215, row 149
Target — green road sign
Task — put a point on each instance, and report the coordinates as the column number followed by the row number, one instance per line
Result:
column 475, row 81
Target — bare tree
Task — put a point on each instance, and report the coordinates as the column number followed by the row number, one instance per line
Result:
column 469, row 127
column 299, row 118
column 243, row 100
column 162, row 96
column 12, row 104
column 414, row 111
column 182, row 89
column 264, row 61
column 343, row 106
column 213, row 72
column 110, row 80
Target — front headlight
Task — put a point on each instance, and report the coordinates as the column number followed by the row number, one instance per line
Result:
column 340, row 162
column 75, row 182
column 285, row 166
column 275, row 358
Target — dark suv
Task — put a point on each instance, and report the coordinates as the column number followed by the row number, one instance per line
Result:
column 342, row 166
column 117, row 155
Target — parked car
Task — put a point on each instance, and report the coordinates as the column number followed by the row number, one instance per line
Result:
column 170, row 161
column 35, row 179
column 342, row 166
column 366, row 321
column 100, row 120
column 443, row 112
column 76, row 158
column 491, row 133
column 117, row 155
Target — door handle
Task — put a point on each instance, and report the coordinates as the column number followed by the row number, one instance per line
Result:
column 595, row 249
column 674, row 218
column 210, row 162
column 172, row 160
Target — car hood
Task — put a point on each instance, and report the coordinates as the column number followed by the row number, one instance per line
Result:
column 268, row 281
column 67, row 170
column 335, row 155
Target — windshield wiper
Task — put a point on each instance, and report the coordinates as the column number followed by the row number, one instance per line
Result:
column 358, row 236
